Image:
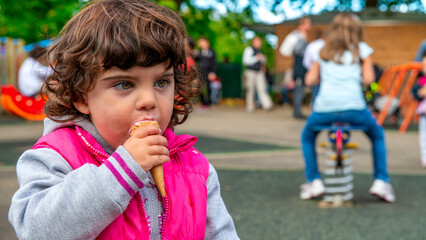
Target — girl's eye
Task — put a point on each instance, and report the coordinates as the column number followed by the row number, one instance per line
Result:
column 123, row 85
column 161, row 83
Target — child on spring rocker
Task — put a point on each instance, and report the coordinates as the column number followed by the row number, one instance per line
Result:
column 343, row 64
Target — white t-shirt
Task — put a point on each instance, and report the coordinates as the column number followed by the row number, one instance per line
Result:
column 292, row 44
column 249, row 58
column 311, row 51
column 31, row 76
column 340, row 86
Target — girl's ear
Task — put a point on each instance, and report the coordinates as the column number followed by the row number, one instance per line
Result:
column 82, row 107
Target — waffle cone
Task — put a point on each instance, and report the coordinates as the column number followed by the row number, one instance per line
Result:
column 158, row 175
column 157, row 171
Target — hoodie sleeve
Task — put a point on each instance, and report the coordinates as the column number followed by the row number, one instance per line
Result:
column 219, row 222
column 56, row 202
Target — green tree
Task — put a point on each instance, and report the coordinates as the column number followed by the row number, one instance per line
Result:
column 35, row 20
column 306, row 6
column 42, row 19
column 225, row 32
column 348, row 5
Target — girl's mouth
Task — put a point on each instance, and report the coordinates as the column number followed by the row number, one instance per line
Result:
column 145, row 118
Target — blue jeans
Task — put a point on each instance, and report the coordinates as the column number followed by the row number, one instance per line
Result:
column 354, row 118
column 284, row 93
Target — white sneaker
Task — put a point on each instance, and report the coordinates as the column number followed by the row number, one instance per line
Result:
column 383, row 190
column 312, row 190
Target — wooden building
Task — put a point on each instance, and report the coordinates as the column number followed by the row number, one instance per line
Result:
column 395, row 37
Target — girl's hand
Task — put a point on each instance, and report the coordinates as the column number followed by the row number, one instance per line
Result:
column 147, row 147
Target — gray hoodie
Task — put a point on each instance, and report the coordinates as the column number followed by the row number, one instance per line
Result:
column 56, row 202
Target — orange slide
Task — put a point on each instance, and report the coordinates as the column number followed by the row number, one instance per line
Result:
column 29, row 108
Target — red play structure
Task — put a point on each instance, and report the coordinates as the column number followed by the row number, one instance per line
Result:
column 30, row 108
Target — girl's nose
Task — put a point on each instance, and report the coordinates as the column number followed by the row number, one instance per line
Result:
column 146, row 99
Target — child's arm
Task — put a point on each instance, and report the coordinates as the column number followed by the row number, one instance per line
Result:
column 312, row 77
column 56, row 202
column 368, row 75
column 219, row 222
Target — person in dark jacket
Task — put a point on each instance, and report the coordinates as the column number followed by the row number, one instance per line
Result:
column 206, row 62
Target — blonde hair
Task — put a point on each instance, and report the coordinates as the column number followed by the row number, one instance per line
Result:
column 345, row 33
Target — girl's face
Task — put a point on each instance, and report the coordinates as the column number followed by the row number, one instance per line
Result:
column 121, row 98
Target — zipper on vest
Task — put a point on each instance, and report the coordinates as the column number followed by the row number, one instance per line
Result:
column 139, row 195
column 166, row 215
column 154, row 220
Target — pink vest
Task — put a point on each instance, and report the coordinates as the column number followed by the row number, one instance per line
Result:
column 185, row 177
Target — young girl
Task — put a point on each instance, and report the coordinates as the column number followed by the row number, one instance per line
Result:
column 342, row 66
column 118, row 62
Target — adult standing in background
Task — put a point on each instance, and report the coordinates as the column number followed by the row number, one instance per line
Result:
column 312, row 50
column 294, row 45
column 253, row 59
column 206, row 62
column 34, row 70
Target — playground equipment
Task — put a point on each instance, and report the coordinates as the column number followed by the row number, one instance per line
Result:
column 14, row 103
column 13, row 53
column 396, row 83
column 337, row 172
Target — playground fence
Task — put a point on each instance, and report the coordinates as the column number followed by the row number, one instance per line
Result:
column 12, row 55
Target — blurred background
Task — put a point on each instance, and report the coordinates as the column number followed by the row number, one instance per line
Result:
column 257, row 154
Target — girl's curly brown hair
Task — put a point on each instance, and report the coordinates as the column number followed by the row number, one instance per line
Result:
column 122, row 33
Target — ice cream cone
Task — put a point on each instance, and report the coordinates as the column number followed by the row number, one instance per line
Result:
column 157, row 171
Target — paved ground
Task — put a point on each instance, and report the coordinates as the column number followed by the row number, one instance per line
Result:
column 276, row 128
column 265, row 205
